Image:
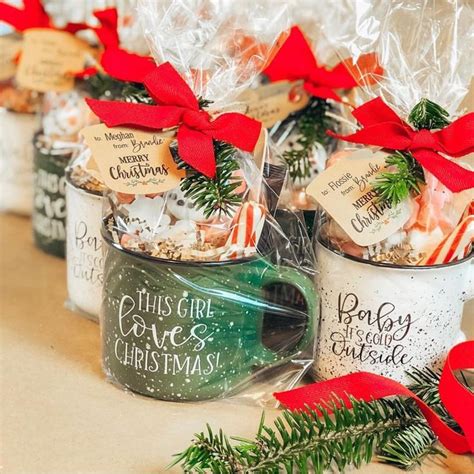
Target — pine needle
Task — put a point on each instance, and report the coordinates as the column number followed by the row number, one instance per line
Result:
column 311, row 126
column 215, row 196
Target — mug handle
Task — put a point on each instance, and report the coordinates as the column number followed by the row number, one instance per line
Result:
column 306, row 287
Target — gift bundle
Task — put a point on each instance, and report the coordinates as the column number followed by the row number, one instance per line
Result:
column 199, row 279
column 50, row 55
column 394, row 236
column 116, row 74
column 18, row 108
column 306, row 95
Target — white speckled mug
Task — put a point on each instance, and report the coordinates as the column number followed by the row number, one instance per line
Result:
column 84, row 249
column 16, row 161
column 387, row 319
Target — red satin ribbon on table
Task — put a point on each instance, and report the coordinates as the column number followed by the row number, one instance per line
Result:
column 458, row 399
column 117, row 62
column 295, row 61
column 383, row 127
column 177, row 106
column 32, row 15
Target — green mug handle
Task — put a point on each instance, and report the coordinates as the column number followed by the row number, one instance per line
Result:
column 306, row 286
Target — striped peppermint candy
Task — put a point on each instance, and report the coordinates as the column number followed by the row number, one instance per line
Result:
column 454, row 246
column 246, row 228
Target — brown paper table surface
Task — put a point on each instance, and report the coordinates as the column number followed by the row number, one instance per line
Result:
column 60, row 416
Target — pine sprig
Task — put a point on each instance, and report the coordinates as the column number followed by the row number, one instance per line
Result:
column 427, row 114
column 403, row 452
column 311, row 125
column 303, row 440
column 425, row 385
column 405, row 177
column 215, row 196
column 392, row 430
column 406, row 174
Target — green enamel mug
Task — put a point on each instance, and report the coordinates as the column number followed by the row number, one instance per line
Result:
column 188, row 331
column 49, row 206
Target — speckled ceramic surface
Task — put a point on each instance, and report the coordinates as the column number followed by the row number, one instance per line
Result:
column 386, row 320
column 16, row 161
column 84, row 250
column 181, row 331
column 49, row 208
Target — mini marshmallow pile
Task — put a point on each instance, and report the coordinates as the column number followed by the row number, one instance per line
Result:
column 170, row 226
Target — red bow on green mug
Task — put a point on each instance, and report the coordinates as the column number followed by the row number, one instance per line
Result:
column 32, row 15
column 384, row 128
column 177, row 106
column 295, row 61
column 117, row 62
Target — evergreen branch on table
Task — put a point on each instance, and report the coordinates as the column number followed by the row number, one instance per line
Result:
column 403, row 179
column 216, row 195
column 300, row 441
column 311, row 125
column 425, row 385
column 403, row 452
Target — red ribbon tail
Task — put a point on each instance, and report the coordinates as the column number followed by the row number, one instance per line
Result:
column 125, row 66
column 166, row 86
column 376, row 111
column 455, row 177
column 458, row 399
column 365, row 386
column 294, row 60
column 237, row 129
column 386, row 135
column 197, row 150
column 321, row 92
column 13, row 16
column 107, row 32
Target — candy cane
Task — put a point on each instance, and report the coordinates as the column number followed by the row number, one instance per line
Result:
column 246, row 228
column 455, row 245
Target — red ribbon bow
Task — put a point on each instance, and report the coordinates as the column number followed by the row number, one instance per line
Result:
column 117, row 62
column 295, row 61
column 32, row 15
column 179, row 107
column 457, row 399
column 382, row 127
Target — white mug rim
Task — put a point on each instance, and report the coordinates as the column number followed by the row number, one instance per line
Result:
column 392, row 266
column 93, row 194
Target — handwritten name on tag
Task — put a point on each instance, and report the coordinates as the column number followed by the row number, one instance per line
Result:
column 344, row 190
column 132, row 161
column 274, row 102
column 49, row 58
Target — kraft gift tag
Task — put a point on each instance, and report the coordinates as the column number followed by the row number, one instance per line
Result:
column 132, row 161
column 345, row 191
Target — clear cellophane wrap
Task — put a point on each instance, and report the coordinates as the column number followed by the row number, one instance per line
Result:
column 424, row 50
column 255, row 281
